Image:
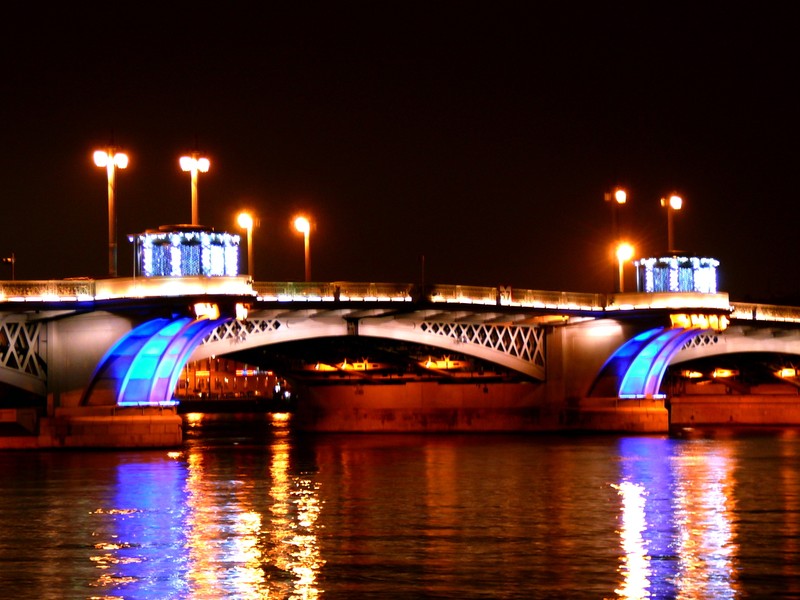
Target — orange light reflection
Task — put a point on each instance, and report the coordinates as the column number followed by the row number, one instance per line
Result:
column 707, row 542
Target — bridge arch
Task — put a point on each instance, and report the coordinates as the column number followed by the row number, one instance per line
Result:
column 516, row 347
column 636, row 369
column 740, row 340
column 142, row 368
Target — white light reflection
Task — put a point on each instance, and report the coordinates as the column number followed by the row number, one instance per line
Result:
column 201, row 531
column 247, row 577
column 706, row 544
column 635, row 562
column 295, row 510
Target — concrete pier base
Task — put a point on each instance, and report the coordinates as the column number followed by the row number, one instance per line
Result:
column 103, row 427
column 421, row 406
column 614, row 415
column 728, row 410
column 434, row 407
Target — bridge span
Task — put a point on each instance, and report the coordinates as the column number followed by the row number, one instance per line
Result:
column 74, row 353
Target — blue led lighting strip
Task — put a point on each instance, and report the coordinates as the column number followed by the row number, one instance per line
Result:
column 153, row 374
column 646, row 370
column 104, row 385
column 134, row 389
column 143, row 368
column 191, row 337
column 661, row 361
column 618, row 364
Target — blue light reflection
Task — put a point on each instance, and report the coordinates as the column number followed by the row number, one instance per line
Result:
column 676, row 515
column 177, row 525
column 144, row 535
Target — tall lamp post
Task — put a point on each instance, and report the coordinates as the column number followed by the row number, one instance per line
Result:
column 615, row 198
column 245, row 221
column 195, row 164
column 672, row 204
column 303, row 225
column 624, row 254
column 112, row 160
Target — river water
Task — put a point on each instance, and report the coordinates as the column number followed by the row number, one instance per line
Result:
column 255, row 510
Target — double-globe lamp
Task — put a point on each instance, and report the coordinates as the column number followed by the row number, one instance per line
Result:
column 673, row 203
column 195, row 164
column 616, row 198
column 112, row 160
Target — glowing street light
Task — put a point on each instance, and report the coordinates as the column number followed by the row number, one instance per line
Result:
column 672, row 204
column 245, row 221
column 617, row 198
column 303, row 225
column 194, row 164
column 619, row 195
column 624, row 254
column 111, row 160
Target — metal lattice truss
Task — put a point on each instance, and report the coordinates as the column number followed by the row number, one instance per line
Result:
column 702, row 341
column 523, row 343
column 238, row 332
column 19, row 345
column 235, row 336
column 741, row 339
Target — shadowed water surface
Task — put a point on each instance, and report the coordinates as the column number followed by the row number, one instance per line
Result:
column 253, row 510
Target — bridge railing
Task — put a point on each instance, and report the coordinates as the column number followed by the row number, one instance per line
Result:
column 765, row 312
column 50, row 290
column 405, row 292
column 507, row 296
column 337, row 290
column 83, row 289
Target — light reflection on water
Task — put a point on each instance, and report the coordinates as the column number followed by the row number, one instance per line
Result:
column 260, row 512
column 677, row 514
column 197, row 533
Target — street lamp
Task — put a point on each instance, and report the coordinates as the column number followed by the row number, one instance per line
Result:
column 617, row 198
column 194, row 164
column 303, row 225
column 672, row 204
column 111, row 160
column 624, row 254
column 245, row 221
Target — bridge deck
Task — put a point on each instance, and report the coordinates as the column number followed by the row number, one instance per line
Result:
column 68, row 293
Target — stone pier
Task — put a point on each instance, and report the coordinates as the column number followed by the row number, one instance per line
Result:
column 432, row 407
column 96, row 427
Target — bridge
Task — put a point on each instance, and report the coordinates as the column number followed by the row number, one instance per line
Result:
column 86, row 362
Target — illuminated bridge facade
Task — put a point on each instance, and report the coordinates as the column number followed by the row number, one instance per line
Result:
column 124, row 342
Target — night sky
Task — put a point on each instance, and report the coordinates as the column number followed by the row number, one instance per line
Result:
column 480, row 136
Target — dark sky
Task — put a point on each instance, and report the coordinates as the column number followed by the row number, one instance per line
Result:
column 480, row 136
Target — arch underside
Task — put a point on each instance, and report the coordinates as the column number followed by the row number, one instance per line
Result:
column 519, row 348
column 142, row 368
column 739, row 341
column 23, row 381
column 636, row 368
